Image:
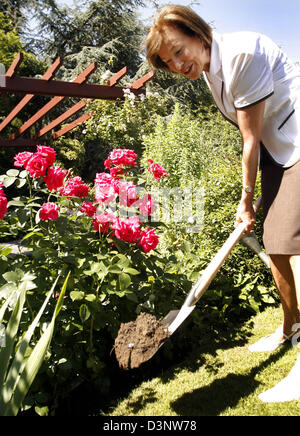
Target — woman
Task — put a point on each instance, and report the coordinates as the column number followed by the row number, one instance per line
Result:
column 257, row 88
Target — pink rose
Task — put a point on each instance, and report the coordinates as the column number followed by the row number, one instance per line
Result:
column 107, row 163
column 48, row 153
column 122, row 156
column 88, row 208
column 146, row 205
column 127, row 193
column 103, row 179
column 101, row 222
column 104, row 193
column 55, row 178
column 3, row 206
column 157, row 170
column 127, row 230
column 149, row 240
column 36, row 165
column 2, row 194
column 75, row 188
column 105, row 188
column 116, row 172
column 21, row 159
column 49, row 212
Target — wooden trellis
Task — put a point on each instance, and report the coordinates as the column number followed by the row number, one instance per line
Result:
column 59, row 90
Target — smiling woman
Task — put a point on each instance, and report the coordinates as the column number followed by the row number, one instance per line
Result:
column 257, row 88
column 171, row 44
column 184, row 54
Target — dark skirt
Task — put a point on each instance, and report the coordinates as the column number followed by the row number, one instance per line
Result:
column 281, row 206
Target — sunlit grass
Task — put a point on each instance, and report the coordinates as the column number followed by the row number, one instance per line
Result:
column 218, row 381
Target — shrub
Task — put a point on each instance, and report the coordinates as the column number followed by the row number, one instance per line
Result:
column 117, row 123
column 203, row 151
column 101, row 235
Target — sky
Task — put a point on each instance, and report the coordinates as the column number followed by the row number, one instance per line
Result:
column 278, row 19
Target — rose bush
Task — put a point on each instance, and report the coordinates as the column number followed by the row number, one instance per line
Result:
column 3, row 203
column 102, row 235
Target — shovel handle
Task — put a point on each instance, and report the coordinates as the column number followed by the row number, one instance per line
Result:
column 211, row 270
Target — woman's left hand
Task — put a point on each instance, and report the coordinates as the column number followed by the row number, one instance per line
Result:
column 245, row 213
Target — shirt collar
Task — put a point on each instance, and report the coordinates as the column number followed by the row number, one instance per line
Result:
column 215, row 54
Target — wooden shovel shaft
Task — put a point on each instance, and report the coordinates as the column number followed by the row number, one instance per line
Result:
column 211, row 270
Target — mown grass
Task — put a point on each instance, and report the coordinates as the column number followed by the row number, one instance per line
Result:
column 221, row 379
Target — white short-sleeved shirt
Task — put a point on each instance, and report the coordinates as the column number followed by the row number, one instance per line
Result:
column 246, row 68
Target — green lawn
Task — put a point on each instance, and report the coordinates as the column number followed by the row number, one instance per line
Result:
column 218, row 380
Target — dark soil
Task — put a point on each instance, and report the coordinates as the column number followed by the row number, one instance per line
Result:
column 138, row 341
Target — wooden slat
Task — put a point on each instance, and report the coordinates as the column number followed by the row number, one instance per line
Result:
column 54, row 101
column 49, row 74
column 55, row 87
column 20, row 142
column 73, row 110
column 138, row 84
column 78, row 106
column 12, row 70
column 117, row 77
column 71, row 126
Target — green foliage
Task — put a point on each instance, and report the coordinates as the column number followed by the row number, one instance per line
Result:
column 203, row 151
column 70, row 153
column 120, row 124
column 190, row 93
column 63, row 30
column 19, row 368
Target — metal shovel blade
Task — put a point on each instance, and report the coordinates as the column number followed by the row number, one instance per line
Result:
column 176, row 317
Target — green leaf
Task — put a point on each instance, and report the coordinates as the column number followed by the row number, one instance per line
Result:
column 12, row 172
column 11, row 332
column 20, row 183
column 132, row 297
column 114, row 269
column 5, row 251
column 42, row 411
column 124, row 281
column 132, row 271
column 17, row 203
column 77, row 295
column 34, row 361
column 13, row 276
column 18, row 363
column 8, row 181
column 84, row 312
column 90, row 297
column 121, row 260
column 96, row 268
column 29, row 235
column 23, row 174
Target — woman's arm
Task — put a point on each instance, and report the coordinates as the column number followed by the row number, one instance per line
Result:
column 250, row 124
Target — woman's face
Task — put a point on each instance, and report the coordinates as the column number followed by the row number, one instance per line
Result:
column 184, row 54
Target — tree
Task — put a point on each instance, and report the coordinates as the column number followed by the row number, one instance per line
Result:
column 64, row 31
column 13, row 12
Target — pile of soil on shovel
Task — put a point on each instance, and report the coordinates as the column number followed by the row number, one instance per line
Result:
column 138, row 340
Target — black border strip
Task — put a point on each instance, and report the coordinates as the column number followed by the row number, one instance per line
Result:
column 256, row 102
column 287, row 118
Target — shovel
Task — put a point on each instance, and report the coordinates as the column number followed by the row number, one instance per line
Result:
column 176, row 317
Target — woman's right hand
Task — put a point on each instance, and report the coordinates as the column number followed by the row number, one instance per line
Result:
column 245, row 213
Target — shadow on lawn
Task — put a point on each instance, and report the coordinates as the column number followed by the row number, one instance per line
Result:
column 222, row 393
